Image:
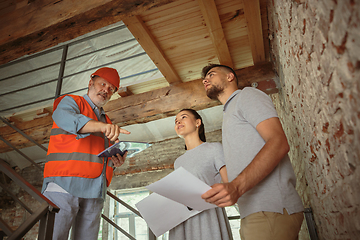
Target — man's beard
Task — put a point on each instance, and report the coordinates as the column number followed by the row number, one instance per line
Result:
column 103, row 101
column 214, row 91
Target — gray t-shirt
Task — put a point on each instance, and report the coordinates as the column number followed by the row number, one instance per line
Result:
column 204, row 162
column 243, row 111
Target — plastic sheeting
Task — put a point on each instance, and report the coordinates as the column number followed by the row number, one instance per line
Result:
column 35, row 79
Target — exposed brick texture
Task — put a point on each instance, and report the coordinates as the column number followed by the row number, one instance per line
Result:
column 315, row 47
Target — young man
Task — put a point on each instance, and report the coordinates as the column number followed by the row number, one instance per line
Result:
column 75, row 178
column 261, row 177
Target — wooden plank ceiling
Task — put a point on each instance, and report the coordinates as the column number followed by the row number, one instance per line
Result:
column 180, row 37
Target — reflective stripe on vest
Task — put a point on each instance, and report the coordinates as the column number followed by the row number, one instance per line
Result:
column 71, row 157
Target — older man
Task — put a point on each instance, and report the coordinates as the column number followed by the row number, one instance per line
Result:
column 75, row 178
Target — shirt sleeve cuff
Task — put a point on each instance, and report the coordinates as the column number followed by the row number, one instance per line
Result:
column 81, row 123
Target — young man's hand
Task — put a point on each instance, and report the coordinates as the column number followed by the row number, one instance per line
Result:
column 222, row 194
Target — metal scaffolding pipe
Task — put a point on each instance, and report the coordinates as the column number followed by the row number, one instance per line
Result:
column 23, row 134
column 22, row 154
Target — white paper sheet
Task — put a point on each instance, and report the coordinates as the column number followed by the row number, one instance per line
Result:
column 183, row 187
column 162, row 214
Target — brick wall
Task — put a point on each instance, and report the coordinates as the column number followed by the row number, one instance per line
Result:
column 315, row 47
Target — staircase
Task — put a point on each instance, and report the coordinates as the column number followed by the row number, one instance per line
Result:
column 45, row 213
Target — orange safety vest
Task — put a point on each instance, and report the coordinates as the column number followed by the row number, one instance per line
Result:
column 71, row 157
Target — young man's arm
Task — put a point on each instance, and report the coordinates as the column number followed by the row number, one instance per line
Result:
column 275, row 148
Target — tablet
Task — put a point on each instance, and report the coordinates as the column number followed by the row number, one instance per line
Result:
column 122, row 147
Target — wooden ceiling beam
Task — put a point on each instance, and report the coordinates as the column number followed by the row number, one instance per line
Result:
column 144, row 107
column 25, row 20
column 159, row 103
column 212, row 20
column 39, row 25
column 142, row 34
column 124, row 92
column 260, row 76
column 253, row 20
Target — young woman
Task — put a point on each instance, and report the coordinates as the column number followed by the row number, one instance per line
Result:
column 205, row 161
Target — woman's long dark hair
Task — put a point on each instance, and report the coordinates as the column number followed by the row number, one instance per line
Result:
column 201, row 127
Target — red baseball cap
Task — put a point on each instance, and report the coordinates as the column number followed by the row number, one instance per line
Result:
column 109, row 74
